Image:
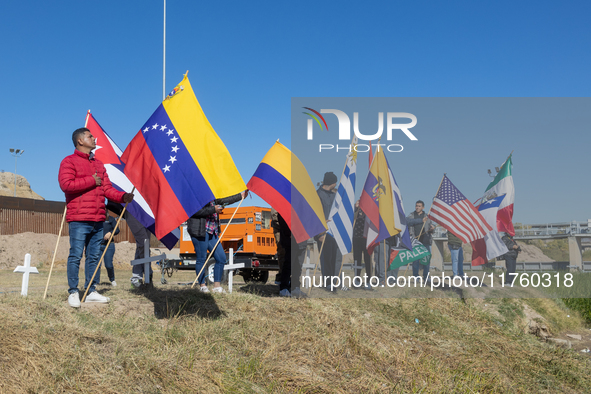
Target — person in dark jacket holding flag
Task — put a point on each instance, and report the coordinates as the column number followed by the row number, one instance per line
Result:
column 204, row 229
column 360, row 242
column 328, row 257
column 418, row 223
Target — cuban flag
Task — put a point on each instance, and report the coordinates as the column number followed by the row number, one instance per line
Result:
column 109, row 153
column 342, row 213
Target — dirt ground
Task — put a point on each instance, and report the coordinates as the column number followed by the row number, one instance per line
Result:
column 41, row 247
column 580, row 341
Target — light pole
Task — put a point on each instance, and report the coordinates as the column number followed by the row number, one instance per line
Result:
column 490, row 172
column 16, row 153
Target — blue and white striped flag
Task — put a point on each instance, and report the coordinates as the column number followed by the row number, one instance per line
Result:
column 342, row 213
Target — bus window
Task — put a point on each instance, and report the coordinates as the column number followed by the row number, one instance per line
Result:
column 266, row 220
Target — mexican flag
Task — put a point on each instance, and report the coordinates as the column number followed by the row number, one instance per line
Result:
column 503, row 184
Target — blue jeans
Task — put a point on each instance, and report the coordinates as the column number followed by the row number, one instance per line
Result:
column 416, row 265
column 202, row 245
column 457, row 261
column 108, row 260
column 84, row 235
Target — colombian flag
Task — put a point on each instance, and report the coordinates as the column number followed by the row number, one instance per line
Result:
column 178, row 162
column 283, row 182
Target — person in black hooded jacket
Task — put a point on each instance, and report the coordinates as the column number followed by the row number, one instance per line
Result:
column 328, row 256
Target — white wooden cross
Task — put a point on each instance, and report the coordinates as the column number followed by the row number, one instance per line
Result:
column 26, row 270
column 147, row 260
column 230, row 267
column 357, row 268
column 308, row 265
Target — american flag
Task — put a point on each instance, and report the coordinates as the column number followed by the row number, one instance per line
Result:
column 452, row 210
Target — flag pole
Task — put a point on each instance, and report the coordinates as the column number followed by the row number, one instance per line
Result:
column 317, row 261
column 98, row 266
column 59, row 235
column 421, row 232
column 440, row 183
column 164, row 56
column 385, row 267
column 216, row 244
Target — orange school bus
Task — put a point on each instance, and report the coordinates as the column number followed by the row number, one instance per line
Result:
column 251, row 237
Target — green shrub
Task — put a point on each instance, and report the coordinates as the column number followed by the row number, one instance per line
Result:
column 581, row 305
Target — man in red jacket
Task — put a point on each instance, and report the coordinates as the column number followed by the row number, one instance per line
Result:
column 86, row 184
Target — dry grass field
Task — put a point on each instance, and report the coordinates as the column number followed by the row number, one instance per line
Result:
column 171, row 339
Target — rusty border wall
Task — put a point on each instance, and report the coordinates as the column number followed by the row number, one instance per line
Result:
column 22, row 215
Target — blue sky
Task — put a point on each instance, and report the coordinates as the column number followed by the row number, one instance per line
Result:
column 246, row 60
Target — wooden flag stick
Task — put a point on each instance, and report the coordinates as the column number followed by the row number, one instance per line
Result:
column 59, row 235
column 98, row 266
column 385, row 266
column 316, row 265
column 216, row 244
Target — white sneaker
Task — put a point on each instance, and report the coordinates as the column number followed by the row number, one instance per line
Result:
column 284, row 293
column 114, row 284
column 219, row 290
column 135, row 283
column 74, row 300
column 204, row 289
column 96, row 297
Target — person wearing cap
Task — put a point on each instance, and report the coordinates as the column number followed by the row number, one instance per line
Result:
column 328, row 257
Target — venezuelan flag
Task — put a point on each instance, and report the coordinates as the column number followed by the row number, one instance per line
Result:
column 178, row 162
column 283, row 182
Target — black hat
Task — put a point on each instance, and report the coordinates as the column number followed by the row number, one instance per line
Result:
column 114, row 207
column 329, row 178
